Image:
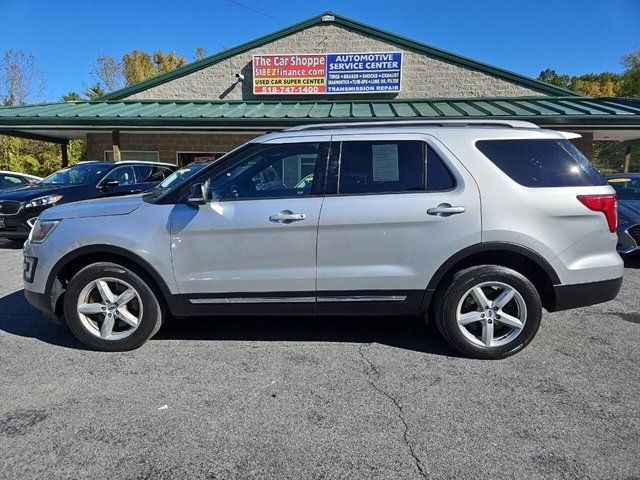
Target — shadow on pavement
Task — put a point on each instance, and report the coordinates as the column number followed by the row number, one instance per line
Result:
column 17, row 317
column 401, row 332
column 631, row 261
column 6, row 244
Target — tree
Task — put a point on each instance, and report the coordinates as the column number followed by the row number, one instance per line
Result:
column 631, row 78
column 72, row 97
column 107, row 73
column 607, row 155
column 200, row 53
column 21, row 81
column 165, row 62
column 94, row 92
column 137, row 66
column 552, row 77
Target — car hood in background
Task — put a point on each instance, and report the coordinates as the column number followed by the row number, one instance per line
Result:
column 630, row 209
column 24, row 194
column 98, row 207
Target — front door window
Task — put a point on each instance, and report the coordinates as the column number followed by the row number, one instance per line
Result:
column 274, row 171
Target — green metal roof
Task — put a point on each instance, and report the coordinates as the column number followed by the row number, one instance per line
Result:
column 365, row 29
column 167, row 114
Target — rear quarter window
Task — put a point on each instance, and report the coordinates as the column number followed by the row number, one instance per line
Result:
column 541, row 163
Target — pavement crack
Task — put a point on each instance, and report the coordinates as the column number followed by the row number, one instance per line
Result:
column 373, row 379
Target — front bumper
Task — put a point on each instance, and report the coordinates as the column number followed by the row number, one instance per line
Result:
column 585, row 294
column 18, row 227
column 42, row 302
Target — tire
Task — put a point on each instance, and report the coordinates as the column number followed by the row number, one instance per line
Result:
column 467, row 317
column 105, row 290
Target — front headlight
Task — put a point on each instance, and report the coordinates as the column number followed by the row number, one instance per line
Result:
column 41, row 230
column 43, row 201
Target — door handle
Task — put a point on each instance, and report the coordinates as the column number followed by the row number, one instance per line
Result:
column 287, row 216
column 445, row 210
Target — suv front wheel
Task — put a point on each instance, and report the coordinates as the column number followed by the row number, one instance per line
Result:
column 109, row 307
column 488, row 311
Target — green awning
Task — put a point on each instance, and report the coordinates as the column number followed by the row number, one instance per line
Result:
column 169, row 114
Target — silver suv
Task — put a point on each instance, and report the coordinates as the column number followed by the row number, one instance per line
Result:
column 478, row 226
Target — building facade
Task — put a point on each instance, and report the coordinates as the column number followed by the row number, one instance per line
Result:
column 357, row 73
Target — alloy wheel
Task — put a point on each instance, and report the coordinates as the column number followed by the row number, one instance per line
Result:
column 109, row 308
column 491, row 314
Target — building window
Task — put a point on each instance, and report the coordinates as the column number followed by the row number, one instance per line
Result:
column 133, row 155
column 185, row 158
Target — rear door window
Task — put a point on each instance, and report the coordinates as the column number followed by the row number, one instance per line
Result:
column 438, row 175
column 151, row 173
column 541, row 163
column 381, row 167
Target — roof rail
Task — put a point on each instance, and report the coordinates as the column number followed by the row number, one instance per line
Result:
column 415, row 123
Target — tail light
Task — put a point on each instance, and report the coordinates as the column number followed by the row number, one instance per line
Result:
column 605, row 204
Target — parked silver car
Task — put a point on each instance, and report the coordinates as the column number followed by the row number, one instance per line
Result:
column 476, row 225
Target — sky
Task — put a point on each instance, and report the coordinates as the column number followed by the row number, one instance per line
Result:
column 525, row 36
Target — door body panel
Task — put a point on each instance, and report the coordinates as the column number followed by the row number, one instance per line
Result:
column 249, row 255
column 226, row 247
column 387, row 243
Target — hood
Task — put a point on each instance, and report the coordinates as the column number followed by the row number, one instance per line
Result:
column 630, row 209
column 98, row 207
column 23, row 194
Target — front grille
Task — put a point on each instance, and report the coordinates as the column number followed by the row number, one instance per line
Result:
column 635, row 233
column 9, row 207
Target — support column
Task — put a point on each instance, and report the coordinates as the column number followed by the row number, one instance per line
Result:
column 627, row 158
column 64, row 150
column 115, row 140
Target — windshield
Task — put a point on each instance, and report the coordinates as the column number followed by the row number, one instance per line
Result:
column 77, row 175
column 180, row 175
column 627, row 188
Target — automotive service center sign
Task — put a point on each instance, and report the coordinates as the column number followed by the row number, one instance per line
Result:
column 331, row 73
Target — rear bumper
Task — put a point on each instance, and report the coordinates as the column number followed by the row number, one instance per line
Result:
column 584, row 294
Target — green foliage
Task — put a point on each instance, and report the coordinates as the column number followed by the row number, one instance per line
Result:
column 200, row 53
column 94, row 92
column 72, row 97
column 607, row 156
column 35, row 157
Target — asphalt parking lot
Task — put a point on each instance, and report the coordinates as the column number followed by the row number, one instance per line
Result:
column 319, row 398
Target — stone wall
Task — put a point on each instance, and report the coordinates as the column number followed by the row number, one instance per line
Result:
column 423, row 76
column 167, row 144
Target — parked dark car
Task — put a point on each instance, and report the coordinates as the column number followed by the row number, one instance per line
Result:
column 627, row 186
column 19, row 208
column 11, row 180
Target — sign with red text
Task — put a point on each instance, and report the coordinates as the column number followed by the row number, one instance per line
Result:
column 331, row 73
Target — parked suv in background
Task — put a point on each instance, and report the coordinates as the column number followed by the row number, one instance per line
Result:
column 627, row 187
column 19, row 208
column 476, row 225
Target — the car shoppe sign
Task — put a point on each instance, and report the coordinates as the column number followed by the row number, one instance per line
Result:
column 330, row 73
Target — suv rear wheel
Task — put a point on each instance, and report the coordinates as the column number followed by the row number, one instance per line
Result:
column 109, row 307
column 488, row 311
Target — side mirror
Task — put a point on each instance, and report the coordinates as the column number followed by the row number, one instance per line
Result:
column 109, row 184
column 197, row 194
